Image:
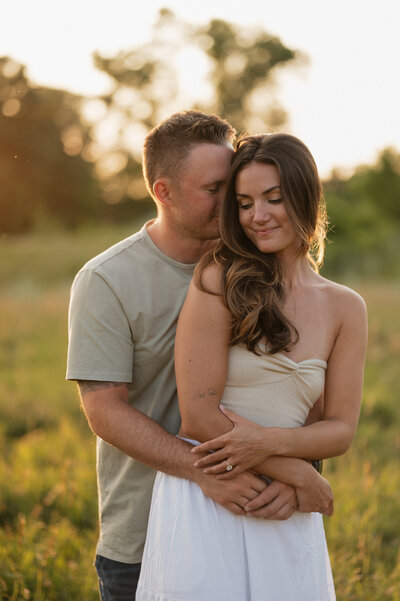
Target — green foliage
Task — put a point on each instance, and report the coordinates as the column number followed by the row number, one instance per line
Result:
column 365, row 219
column 381, row 184
column 47, row 468
column 38, row 260
column 363, row 534
column 48, row 508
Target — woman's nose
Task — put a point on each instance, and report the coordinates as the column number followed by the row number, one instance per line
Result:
column 261, row 212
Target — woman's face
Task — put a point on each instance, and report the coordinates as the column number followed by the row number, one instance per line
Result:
column 262, row 213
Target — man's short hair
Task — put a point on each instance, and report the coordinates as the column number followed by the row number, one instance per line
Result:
column 167, row 145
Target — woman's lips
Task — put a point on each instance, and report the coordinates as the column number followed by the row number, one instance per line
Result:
column 266, row 230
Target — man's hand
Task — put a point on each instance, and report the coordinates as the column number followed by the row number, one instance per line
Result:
column 315, row 494
column 232, row 495
column 247, row 494
column 276, row 502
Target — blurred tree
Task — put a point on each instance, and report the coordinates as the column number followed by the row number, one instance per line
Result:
column 381, row 184
column 42, row 175
column 364, row 211
column 61, row 155
column 232, row 67
column 242, row 74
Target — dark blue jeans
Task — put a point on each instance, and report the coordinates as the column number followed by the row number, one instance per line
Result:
column 117, row 581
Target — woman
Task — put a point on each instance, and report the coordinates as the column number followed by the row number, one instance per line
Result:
column 264, row 334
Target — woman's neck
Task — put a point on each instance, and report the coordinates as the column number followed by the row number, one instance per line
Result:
column 296, row 272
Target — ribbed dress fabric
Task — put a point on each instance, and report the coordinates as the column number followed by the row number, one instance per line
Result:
column 198, row 551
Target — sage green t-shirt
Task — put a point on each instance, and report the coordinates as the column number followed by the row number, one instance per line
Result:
column 122, row 319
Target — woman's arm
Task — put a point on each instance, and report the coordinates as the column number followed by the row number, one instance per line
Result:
column 343, row 390
column 342, row 398
column 201, row 362
column 201, row 359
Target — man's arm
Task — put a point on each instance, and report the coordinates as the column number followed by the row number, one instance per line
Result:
column 94, row 328
column 112, row 418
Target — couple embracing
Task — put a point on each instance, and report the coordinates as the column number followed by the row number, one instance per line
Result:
column 268, row 358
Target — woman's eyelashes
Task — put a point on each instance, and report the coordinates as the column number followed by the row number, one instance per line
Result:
column 247, row 205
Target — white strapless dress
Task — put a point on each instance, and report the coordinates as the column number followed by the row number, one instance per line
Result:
column 198, row 551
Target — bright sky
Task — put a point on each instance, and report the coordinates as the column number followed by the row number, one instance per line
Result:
column 344, row 104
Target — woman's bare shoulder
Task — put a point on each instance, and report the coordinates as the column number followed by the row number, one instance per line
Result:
column 343, row 299
column 209, row 278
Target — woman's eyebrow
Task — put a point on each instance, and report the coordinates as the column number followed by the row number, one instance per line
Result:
column 265, row 191
column 271, row 189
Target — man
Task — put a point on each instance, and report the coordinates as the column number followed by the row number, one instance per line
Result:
column 124, row 307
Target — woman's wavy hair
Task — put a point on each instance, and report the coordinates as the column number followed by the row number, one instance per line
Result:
column 252, row 287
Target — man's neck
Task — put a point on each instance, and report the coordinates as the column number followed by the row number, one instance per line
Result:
column 184, row 250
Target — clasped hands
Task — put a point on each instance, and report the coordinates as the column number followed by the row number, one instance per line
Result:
column 247, row 446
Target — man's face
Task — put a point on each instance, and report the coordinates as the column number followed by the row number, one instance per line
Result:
column 197, row 195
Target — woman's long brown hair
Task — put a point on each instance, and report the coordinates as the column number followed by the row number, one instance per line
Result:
column 252, row 287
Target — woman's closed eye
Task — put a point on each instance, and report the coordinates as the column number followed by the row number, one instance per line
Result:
column 244, row 202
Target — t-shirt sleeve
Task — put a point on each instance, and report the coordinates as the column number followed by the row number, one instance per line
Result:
column 100, row 339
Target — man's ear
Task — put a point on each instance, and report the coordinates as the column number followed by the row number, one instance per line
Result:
column 161, row 190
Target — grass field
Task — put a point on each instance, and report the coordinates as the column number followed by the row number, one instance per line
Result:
column 48, row 510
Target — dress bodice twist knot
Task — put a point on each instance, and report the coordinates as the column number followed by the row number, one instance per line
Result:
column 289, row 389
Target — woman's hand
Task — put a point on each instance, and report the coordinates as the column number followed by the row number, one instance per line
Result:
column 242, row 448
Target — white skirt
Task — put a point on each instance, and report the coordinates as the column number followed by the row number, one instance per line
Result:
column 198, row 551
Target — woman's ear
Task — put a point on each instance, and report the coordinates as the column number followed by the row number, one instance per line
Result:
column 161, row 190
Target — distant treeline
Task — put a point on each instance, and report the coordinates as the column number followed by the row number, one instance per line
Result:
column 56, row 170
column 364, row 215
